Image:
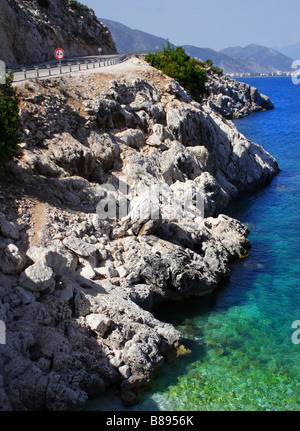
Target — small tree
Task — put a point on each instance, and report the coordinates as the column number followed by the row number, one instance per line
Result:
column 214, row 69
column 9, row 120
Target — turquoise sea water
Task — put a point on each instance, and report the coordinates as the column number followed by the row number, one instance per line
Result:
column 242, row 356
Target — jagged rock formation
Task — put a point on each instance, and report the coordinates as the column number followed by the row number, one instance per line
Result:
column 30, row 33
column 77, row 290
column 234, row 99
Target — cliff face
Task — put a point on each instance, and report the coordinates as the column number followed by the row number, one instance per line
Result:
column 76, row 288
column 30, row 33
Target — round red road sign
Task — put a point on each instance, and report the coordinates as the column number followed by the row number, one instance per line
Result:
column 59, row 54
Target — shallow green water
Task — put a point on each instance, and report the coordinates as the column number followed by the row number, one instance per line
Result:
column 242, row 356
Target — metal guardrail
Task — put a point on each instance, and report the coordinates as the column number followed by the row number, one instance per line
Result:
column 66, row 66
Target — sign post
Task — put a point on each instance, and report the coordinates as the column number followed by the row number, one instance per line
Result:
column 59, row 54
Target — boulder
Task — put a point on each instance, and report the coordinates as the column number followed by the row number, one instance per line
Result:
column 12, row 261
column 133, row 138
column 9, row 229
column 80, row 247
column 107, row 270
column 104, row 149
column 72, row 156
column 38, row 278
column 87, row 272
column 51, row 258
column 98, row 323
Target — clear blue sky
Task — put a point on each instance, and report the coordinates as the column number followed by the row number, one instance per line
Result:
column 214, row 24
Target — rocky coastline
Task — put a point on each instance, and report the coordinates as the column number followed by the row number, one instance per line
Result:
column 77, row 290
column 234, row 99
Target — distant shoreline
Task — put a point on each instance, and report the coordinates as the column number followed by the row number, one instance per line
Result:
column 259, row 76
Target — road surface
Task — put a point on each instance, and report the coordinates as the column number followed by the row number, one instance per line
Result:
column 55, row 67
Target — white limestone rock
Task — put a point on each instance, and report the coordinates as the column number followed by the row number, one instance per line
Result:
column 98, row 323
column 87, row 271
column 79, row 247
column 12, row 261
column 132, row 138
column 107, row 270
column 50, row 257
column 38, row 278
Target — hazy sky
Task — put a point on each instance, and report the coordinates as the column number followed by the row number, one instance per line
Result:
column 214, row 24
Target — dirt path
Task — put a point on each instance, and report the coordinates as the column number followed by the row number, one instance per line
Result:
column 40, row 217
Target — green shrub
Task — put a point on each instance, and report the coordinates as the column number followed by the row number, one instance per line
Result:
column 214, row 69
column 209, row 63
column 174, row 62
column 9, row 120
column 77, row 6
column 217, row 70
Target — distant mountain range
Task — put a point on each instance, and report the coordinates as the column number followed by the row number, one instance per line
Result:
column 292, row 51
column 128, row 40
column 269, row 58
column 227, row 63
column 253, row 59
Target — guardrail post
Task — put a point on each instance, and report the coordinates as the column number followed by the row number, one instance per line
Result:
column 24, row 70
column 49, row 69
column 37, row 71
column 87, row 64
column 79, row 65
column 70, row 64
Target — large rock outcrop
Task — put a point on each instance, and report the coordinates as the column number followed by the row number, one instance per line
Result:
column 113, row 208
column 234, row 99
column 31, row 31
